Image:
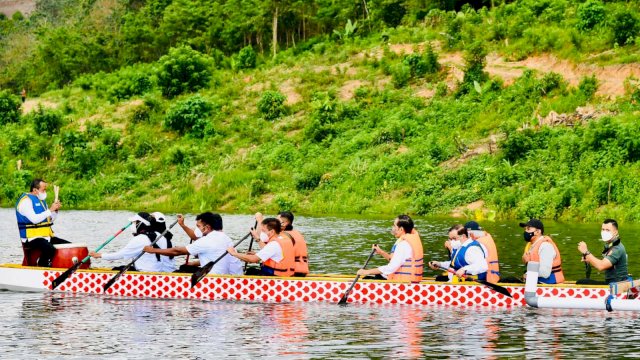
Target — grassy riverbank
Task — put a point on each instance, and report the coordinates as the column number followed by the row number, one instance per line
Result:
column 429, row 117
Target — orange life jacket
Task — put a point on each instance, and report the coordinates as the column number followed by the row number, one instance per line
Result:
column 284, row 267
column 412, row 268
column 493, row 274
column 557, row 276
column 300, row 253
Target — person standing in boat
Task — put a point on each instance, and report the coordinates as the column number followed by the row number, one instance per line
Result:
column 35, row 219
column 168, row 262
column 209, row 247
column 406, row 257
column 484, row 238
column 468, row 256
column 301, row 256
column 143, row 234
column 277, row 256
column 542, row 249
column 614, row 262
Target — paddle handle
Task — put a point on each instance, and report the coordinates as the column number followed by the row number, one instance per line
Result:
column 107, row 242
column 255, row 226
column 56, row 192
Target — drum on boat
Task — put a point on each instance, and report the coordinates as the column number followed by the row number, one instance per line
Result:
column 68, row 255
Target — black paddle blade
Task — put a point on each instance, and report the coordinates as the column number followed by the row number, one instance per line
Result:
column 65, row 275
column 496, row 288
column 114, row 279
column 201, row 273
column 343, row 301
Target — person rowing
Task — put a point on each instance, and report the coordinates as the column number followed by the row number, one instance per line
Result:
column 486, row 240
column 277, row 255
column 213, row 243
column 542, row 249
column 468, row 256
column 301, row 255
column 144, row 233
column 168, row 262
column 406, row 256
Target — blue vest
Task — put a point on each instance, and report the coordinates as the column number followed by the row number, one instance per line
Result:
column 459, row 261
column 24, row 223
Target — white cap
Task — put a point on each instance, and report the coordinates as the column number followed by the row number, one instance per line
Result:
column 158, row 216
column 137, row 217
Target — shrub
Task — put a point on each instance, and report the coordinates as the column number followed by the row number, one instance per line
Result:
column 183, row 70
column 625, row 27
column 588, row 86
column 400, row 76
column 590, row 14
column 475, row 60
column 271, row 105
column 189, row 116
column 129, row 82
column 45, row 121
column 246, row 58
column 9, row 108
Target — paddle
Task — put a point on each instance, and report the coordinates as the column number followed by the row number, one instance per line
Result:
column 343, row 300
column 492, row 286
column 250, row 246
column 117, row 276
column 203, row 271
column 60, row 279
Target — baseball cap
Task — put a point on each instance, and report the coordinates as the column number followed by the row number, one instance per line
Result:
column 533, row 223
column 158, row 216
column 472, row 225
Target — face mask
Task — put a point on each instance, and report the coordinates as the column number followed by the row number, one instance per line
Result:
column 42, row 196
column 264, row 237
column 198, row 233
column 606, row 235
column 455, row 244
column 528, row 236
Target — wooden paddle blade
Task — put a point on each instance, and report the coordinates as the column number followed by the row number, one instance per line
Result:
column 65, row 275
column 495, row 287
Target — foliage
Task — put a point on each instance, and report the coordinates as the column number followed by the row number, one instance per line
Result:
column 190, row 116
column 590, row 14
column 45, row 121
column 625, row 27
column 9, row 108
column 183, row 70
column 246, row 58
column 271, row 105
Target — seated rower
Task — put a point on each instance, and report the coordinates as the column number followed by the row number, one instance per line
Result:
column 614, row 260
column 143, row 234
column 406, row 257
column 35, row 219
column 209, row 247
column 541, row 248
column 168, row 262
column 277, row 256
column 468, row 256
column 301, row 257
column 485, row 239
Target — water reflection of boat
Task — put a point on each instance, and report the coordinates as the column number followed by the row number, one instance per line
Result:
column 316, row 288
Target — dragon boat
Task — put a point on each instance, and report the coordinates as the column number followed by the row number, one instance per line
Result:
column 314, row 288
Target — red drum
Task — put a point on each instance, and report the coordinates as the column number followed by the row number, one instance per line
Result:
column 68, row 255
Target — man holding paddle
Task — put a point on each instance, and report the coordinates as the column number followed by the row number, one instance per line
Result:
column 406, row 257
column 209, row 247
column 614, row 262
column 468, row 256
column 35, row 219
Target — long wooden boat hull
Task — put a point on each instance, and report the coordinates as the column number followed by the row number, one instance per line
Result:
column 320, row 288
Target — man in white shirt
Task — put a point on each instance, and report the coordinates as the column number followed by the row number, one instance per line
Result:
column 406, row 258
column 168, row 263
column 468, row 257
column 277, row 256
column 209, row 247
column 35, row 219
column 143, row 235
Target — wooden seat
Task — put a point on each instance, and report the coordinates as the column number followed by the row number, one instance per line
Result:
column 31, row 256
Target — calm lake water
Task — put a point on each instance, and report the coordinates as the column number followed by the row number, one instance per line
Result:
column 91, row 326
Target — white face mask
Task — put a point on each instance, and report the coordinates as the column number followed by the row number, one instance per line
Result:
column 264, row 237
column 606, row 235
column 198, row 233
column 455, row 244
column 42, row 196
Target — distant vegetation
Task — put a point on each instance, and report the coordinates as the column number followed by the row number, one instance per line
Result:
column 321, row 106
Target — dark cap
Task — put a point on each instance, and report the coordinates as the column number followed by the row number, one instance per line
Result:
column 472, row 225
column 535, row 223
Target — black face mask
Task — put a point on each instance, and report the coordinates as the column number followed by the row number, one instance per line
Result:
column 528, row 236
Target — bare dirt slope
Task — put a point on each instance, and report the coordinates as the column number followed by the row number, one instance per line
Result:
column 8, row 7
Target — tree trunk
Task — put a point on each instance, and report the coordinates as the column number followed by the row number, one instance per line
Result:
column 275, row 32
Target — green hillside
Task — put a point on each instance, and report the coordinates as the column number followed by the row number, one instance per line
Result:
column 485, row 109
